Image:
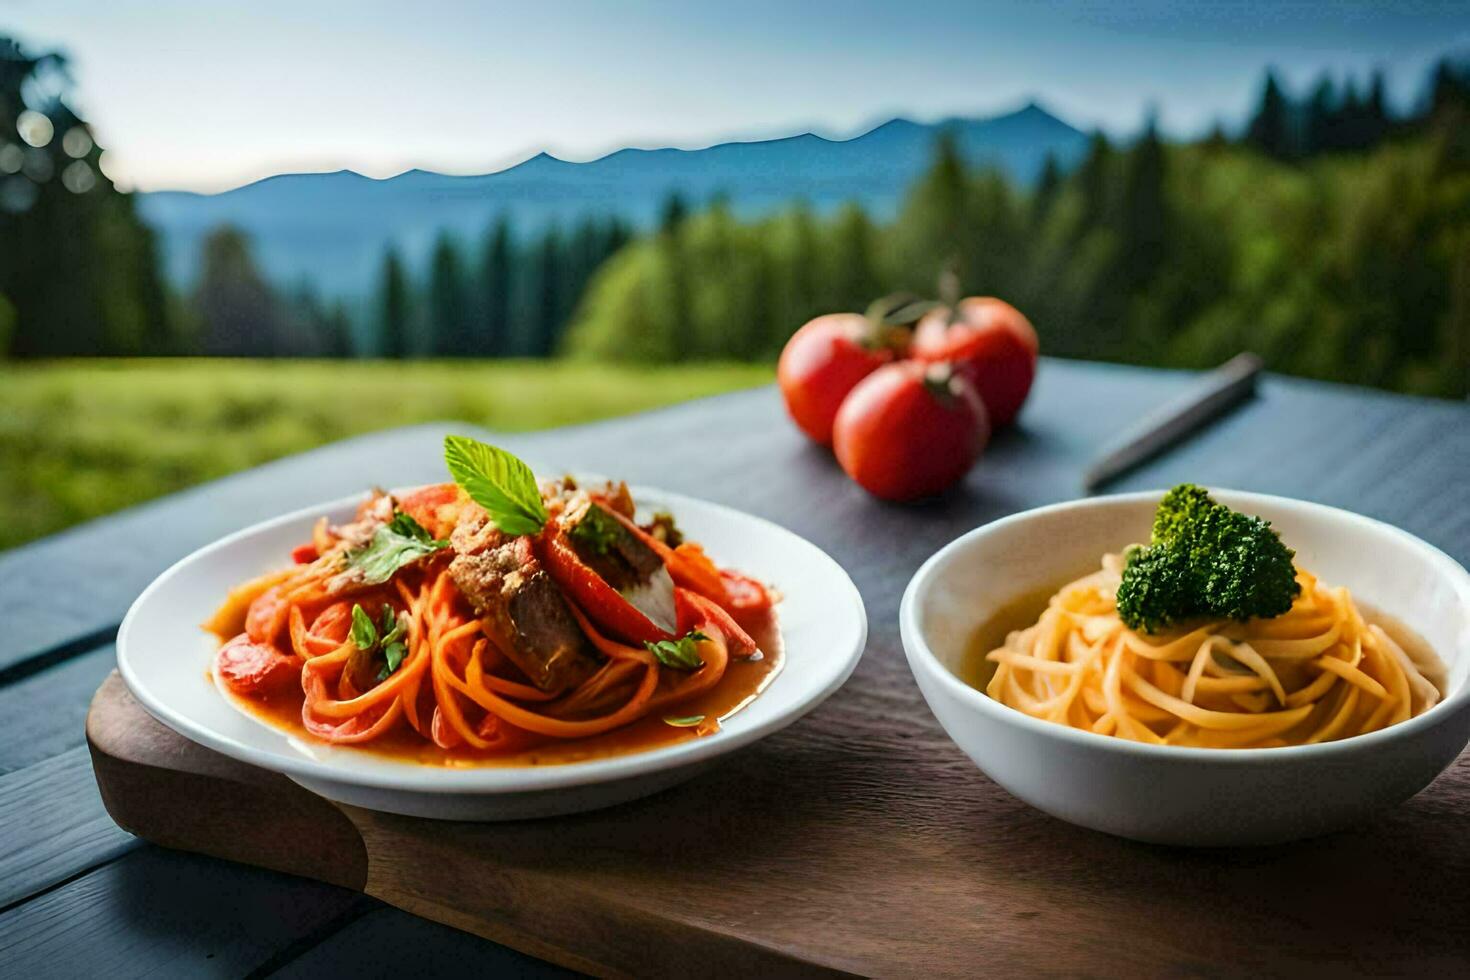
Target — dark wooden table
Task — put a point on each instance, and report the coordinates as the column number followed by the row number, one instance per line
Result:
column 79, row 896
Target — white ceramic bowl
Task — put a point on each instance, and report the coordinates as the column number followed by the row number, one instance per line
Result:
column 1168, row 794
column 165, row 658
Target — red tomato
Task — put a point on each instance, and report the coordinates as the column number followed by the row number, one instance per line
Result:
column 821, row 363
column 992, row 343
column 910, row 430
column 252, row 668
column 266, row 618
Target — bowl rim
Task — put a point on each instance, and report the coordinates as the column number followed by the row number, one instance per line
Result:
column 922, row 657
column 490, row 780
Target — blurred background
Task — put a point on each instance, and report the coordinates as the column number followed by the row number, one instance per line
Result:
column 233, row 231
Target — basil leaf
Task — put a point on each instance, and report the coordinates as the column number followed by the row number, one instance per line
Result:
column 393, row 654
column 686, row 722
column 400, row 542
column 498, row 482
column 396, row 631
column 680, row 654
column 364, row 634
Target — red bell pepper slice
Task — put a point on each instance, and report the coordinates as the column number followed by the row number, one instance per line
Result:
column 697, row 612
column 600, row 601
column 688, row 565
column 746, row 594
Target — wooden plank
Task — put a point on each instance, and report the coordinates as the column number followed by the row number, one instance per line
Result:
column 388, row 943
column 237, row 810
column 861, row 841
column 45, row 712
column 55, row 826
column 160, row 913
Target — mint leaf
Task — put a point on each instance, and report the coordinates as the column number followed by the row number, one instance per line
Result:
column 364, row 634
column 680, row 654
column 498, row 482
column 400, row 542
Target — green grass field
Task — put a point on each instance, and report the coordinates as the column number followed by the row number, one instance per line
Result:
column 82, row 439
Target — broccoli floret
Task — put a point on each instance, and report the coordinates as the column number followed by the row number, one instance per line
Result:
column 1156, row 589
column 1184, row 506
column 1204, row 559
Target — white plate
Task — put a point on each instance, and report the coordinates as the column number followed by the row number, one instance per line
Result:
column 165, row 657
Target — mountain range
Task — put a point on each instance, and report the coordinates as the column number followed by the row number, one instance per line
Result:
column 332, row 229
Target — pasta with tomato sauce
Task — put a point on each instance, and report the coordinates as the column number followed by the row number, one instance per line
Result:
column 492, row 615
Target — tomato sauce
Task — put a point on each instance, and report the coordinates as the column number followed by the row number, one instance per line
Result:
column 743, row 681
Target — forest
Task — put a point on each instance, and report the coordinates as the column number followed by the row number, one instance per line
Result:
column 1329, row 234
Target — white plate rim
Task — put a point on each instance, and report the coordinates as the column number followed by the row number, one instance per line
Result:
column 407, row 776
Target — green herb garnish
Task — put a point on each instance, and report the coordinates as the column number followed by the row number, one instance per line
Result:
column 680, row 654
column 402, row 541
column 597, row 531
column 364, row 633
column 498, row 482
column 687, row 722
column 384, row 637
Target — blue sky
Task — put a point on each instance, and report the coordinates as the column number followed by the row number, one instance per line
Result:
column 209, row 95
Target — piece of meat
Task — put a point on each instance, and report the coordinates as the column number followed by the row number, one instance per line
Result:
column 474, row 532
column 622, row 559
column 609, row 548
column 526, row 614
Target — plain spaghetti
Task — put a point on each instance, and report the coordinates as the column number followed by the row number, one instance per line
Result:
column 1316, row 673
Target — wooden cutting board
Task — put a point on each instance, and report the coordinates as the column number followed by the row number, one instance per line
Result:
column 792, row 858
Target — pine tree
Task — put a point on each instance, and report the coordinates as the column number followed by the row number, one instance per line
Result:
column 1350, row 132
column 1449, row 88
column 498, row 259
column 1376, row 119
column 618, row 235
column 1144, row 230
column 239, row 314
column 448, row 300
column 393, row 307
column 671, row 247
column 1094, row 182
column 1319, row 124
column 806, row 287
column 856, row 278
column 1270, row 130
column 675, row 211
column 7, row 324
column 79, row 269
column 547, row 294
column 336, row 331
column 1047, row 185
